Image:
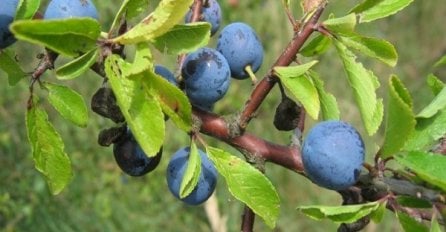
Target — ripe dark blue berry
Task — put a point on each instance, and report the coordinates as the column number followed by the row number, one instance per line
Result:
column 206, row 183
column 241, row 47
column 7, row 13
column 131, row 158
column 333, row 154
column 206, row 77
column 60, row 9
column 211, row 13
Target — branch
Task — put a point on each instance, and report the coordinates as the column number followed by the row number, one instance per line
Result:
column 385, row 185
column 248, row 220
column 216, row 126
column 288, row 56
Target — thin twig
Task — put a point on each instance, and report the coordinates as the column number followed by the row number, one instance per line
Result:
column 286, row 58
column 248, row 220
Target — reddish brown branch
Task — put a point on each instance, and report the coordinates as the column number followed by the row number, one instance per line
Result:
column 285, row 59
column 248, row 220
column 216, row 126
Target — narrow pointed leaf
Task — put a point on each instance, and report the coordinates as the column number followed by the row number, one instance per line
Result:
column 173, row 101
column 77, row 66
column 427, row 132
column 435, row 84
column 184, row 38
column 70, row 37
column 166, row 15
column 440, row 62
column 428, row 166
column 48, row 150
column 439, row 103
column 129, row 9
column 141, row 110
column 365, row 5
column 300, row 86
column 192, row 173
column 409, row 224
column 373, row 47
column 400, row 122
column 378, row 214
column 68, row 103
column 435, row 226
column 329, row 105
column 11, row 67
column 340, row 214
column 343, row 25
column 372, row 10
column 413, row 202
column 364, row 83
column 27, row 9
column 248, row 185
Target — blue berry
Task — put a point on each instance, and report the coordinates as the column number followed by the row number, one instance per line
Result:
column 206, row 76
column 60, row 9
column 210, row 13
column 7, row 14
column 206, row 183
column 333, row 154
column 164, row 72
column 131, row 158
column 241, row 47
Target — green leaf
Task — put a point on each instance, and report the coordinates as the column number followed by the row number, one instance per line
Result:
column 373, row 47
column 301, row 87
column 11, row 67
column 68, row 103
column 142, row 61
column 173, row 101
column 329, row 106
column 439, row 103
column 435, row 226
column 428, row 166
column 48, row 150
column 70, row 37
column 440, row 62
column 343, row 25
column 364, row 83
column 184, row 38
column 192, row 173
column 166, row 15
column 372, row 10
column 129, row 9
column 27, row 9
column 427, row 132
column 77, row 66
column 316, row 46
column 248, row 185
column 378, row 214
column 400, row 122
column 435, row 84
column 340, row 214
column 141, row 110
column 409, row 224
column 365, row 5
column 413, row 202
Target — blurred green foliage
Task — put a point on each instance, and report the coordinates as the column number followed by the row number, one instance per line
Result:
column 102, row 198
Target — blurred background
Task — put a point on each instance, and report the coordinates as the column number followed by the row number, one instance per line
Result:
column 101, row 198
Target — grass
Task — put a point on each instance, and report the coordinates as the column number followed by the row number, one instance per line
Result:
column 101, row 198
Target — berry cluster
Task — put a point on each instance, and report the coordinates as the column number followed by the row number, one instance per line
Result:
column 332, row 153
